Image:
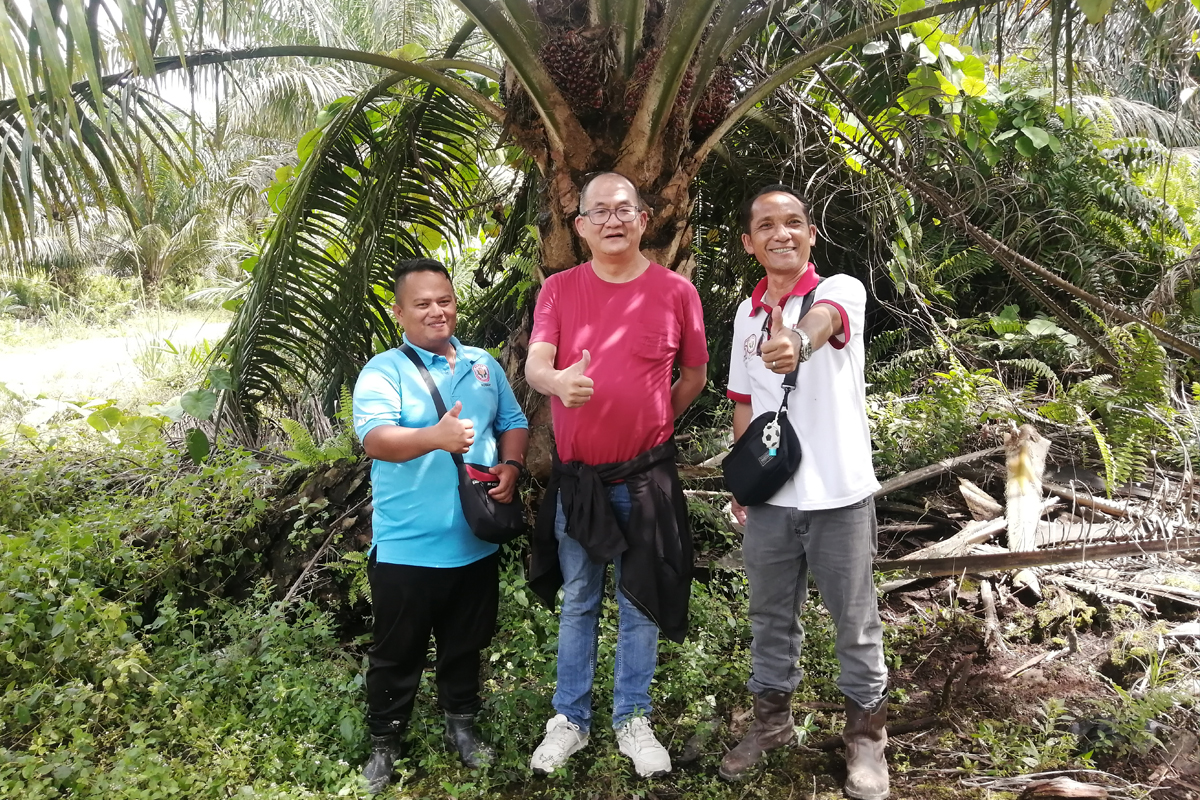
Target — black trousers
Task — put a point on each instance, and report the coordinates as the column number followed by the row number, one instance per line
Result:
column 457, row 606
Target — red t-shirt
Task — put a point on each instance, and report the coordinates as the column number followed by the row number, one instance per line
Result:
column 635, row 332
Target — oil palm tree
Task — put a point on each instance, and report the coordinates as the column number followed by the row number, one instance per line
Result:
column 650, row 88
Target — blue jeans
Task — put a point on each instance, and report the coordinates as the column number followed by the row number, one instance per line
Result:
column 579, row 628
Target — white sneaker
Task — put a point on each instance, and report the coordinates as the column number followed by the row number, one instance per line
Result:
column 563, row 738
column 636, row 740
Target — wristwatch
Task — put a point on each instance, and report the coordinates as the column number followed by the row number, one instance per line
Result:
column 805, row 346
column 520, row 467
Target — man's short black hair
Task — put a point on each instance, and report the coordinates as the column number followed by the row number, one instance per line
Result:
column 588, row 184
column 411, row 265
column 747, row 209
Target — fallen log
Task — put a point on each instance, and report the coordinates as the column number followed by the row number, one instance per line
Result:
column 1088, row 500
column 1086, row 587
column 956, row 565
column 906, row 527
column 934, row 470
column 1174, row 593
column 1063, row 787
column 1055, row 533
column 972, row 533
column 1041, row 658
column 993, row 637
column 923, row 724
column 981, row 504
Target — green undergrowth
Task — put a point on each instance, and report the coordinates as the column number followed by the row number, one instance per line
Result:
column 144, row 658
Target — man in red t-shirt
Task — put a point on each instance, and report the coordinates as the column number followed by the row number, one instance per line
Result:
column 607, row 335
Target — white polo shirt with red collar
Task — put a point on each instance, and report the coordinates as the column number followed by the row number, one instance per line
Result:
column 828, row 406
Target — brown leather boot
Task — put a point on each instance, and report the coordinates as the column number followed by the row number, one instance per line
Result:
column 865, row 736
column 773, row 727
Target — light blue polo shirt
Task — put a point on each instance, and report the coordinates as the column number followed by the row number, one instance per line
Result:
column 418, row 519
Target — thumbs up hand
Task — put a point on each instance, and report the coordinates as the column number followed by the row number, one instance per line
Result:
column 575, row 388
column 776, row 321
column 780, row 352
column 455, row 435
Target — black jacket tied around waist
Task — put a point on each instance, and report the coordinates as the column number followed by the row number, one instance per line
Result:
column 655, row 546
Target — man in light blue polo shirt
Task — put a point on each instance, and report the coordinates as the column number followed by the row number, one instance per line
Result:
column 428, row 572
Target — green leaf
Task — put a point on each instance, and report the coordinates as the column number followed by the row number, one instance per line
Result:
column 105, row 419
column 875, row 48
column 1095, row 10
column 951, row 52
column 974, row 87
column 200, row 403
column 133, row 20
column 14, row 71
column 1038, row 136
column 1155, row 5
column 1025, row 147
column 308, row 141
column 430, row 239
column 136, row 430
column 1042, row 327
column 233, row 303
column 411, row 51
column 198, row 446
column 987, row 118
column 171, row 409
column 220, row 380
column 896, row 273
column 910, row 5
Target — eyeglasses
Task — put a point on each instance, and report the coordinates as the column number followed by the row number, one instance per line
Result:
column 599, row 216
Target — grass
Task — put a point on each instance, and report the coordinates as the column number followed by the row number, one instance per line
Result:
column 145, row 658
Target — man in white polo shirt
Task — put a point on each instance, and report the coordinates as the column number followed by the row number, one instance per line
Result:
column 823, row 519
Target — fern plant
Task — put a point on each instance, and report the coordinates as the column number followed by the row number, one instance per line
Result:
column 1129, row 414
column 305, row 450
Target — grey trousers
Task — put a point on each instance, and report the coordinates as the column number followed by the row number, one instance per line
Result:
column 780, row 547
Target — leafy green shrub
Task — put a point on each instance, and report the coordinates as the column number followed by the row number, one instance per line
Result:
column 914, row 430
column 33, row 295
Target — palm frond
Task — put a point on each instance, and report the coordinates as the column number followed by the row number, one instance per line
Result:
column 1130, row 119
column 390, row 169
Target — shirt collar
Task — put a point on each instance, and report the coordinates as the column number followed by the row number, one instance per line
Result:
column 428, row 356
column 805, row 284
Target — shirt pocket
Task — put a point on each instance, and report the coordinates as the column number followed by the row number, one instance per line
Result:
column 657, row 345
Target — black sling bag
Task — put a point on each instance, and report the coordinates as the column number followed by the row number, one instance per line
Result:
column 490, row 520
column 768, row 453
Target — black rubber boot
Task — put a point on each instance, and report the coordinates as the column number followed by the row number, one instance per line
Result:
column 382, row 763
column 462, row 738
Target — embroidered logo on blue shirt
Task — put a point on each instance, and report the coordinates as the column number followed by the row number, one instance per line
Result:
column 481, row 372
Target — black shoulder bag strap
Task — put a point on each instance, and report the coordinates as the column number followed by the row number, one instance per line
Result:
column 789, row 381
column 438, row 404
